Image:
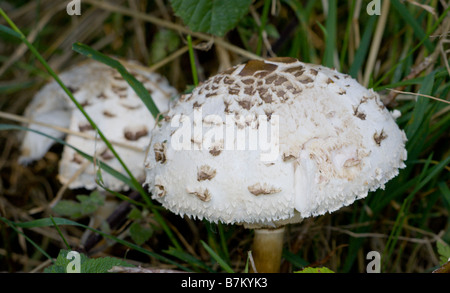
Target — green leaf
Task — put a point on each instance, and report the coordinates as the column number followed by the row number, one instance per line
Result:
column 320, row 270
column 104, row 264
column 139, row 233
column 445, row 191
column 87, row 265
column 68, row 208
column 164, row 42
column 213, row 17
column 91, row 203
column 444, row 252
column 60, row 265
column 135, row 214
column 86, row 205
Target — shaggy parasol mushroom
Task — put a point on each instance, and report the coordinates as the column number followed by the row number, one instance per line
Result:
column 113, row 105
column 334, row 142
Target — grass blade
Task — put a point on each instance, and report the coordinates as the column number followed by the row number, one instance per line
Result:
column 46, row 222
column 411, row 20
column 330, row 40
column 188, row 258
column 363, row 49
column 137, row 86
column 60, row 233
column 13, row 226
column 192, row 60
column 262, row 26
column 424, row 178
column 217, row 258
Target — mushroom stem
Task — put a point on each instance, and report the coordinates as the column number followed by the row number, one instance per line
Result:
column 267, row 249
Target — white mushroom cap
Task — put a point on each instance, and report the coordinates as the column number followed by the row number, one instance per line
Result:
column 115, row 108
column 335, row 142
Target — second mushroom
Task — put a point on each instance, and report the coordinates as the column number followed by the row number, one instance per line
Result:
column 116, row 109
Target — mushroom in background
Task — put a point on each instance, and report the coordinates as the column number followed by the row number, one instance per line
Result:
column 113, row 105
column 333, row 140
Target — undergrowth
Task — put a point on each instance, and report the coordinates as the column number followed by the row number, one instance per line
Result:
column 402, row 53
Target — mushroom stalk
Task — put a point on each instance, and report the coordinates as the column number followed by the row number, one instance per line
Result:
column 267, row 249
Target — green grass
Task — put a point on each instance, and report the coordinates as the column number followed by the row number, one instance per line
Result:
column 403, row 222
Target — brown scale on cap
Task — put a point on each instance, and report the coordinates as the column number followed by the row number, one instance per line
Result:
column 296, row 71
column 73, row 90
column 260, row 82
column 135, row 133
column 288, row 157
column 107, row 155
column 205, row 172
column 264, row 95
column 160, row 152
column 248, row 81
column 102, row 96
column 379, row 137
column 77, row 158
column 245, row 103
column 262, row 189
column 253, row 66
column 313, row 71
column 107, row 113
column 83, row 127
column 286, row 60
column 196, row 105
column 85, row 103
column 357, row 113
column 215, row 151
column 202, row 194
column 160, row 190
column 120, row 90
column 234, row 91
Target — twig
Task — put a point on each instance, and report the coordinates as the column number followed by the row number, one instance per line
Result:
column 376, row 42
column 173, row 26
column 252, row 262
column 379, row 235
column 421, row 95
column 19, row 118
